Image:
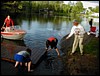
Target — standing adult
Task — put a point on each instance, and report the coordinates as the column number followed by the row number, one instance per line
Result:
column 78, row 31
column 91, row 22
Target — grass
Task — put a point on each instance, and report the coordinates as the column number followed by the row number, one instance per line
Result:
column 92, row 47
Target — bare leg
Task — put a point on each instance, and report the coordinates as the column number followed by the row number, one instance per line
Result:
column 29, row 66
column 26, row 64
column 57, row 51
column 21, row 63
column 16, row 64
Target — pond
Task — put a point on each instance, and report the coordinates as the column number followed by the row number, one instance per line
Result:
column 39, row 28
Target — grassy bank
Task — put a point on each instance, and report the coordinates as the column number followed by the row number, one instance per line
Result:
column 92, row 47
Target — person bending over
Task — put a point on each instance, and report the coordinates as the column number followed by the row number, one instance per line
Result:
column 23, row 57
column 52, row 42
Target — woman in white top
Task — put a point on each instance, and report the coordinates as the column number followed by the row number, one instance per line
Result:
column 79, row 31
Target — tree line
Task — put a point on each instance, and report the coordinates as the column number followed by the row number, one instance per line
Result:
column 45, row 7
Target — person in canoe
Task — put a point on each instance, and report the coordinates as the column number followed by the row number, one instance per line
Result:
column 8, row 22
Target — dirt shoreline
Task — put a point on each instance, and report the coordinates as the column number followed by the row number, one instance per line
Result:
column 76, row 64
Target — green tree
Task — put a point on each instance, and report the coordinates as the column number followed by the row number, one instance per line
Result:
column 96, row 9
column 79, row 6
column 90, row 8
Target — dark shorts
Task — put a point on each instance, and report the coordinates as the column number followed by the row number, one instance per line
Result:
column 52, row 44
column 27, row 59
column 21, row 58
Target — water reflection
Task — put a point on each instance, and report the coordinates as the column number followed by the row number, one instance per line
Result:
column 39, row 28
column 13, row 42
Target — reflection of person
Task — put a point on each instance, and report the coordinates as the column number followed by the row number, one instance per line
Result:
column 52, row 41
column 8, row 22
column 90, row 22
column 23, row 57
column 78, row 31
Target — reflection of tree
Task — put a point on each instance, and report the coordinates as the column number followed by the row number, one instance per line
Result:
column 68, row 20
column 56, row 21
column 79, row 18
column 27, row 17
column 14, row 42
column 29, row 20
column 17, row 19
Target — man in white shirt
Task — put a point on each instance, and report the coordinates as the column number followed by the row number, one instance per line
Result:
column 79, row 31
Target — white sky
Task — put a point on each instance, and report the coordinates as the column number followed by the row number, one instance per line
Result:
column 87, row 4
